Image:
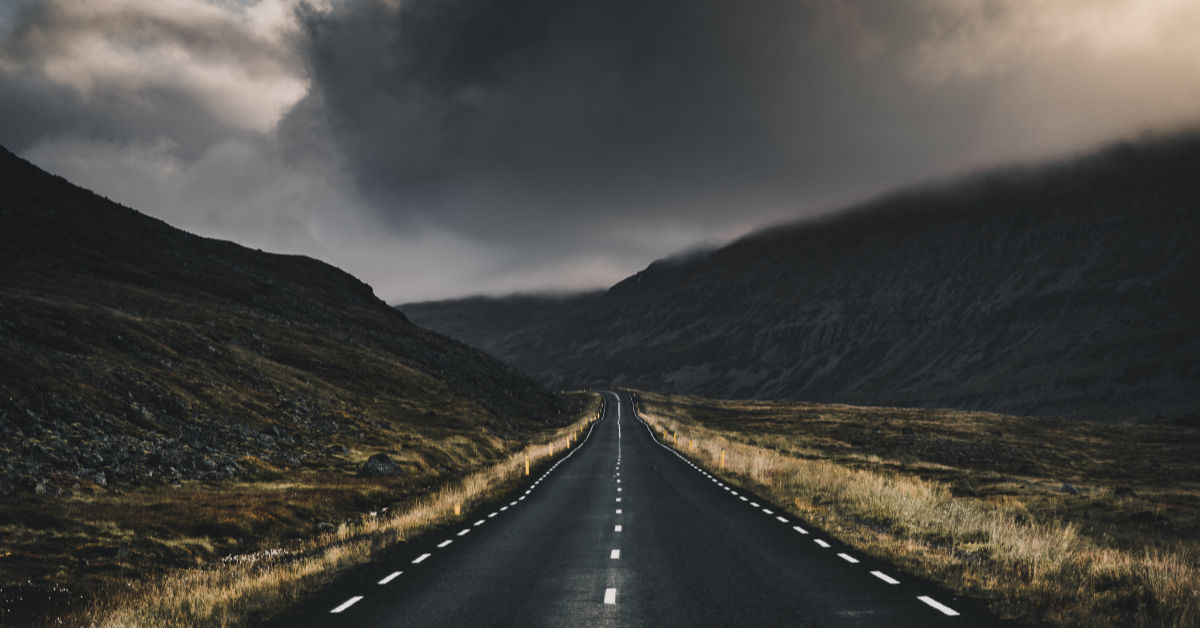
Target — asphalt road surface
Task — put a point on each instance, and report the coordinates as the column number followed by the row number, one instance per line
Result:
column 624, row 532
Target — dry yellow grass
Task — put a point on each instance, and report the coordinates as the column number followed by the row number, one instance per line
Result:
column 243, row 589
column 1026, row 565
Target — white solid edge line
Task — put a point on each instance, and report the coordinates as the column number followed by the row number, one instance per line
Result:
column 848, row 558
column 800, row 530
column 886, row 578
column 390, row 577
column 615, row 554
column 417, row 560
column 946, row 610
column 610, row 596
column 354, row 600
column 820, row 542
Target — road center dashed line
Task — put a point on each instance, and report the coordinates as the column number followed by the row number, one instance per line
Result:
column 418, row 560
column 615, row 554
column 464, row 531
column 821, row 543
column 444, row 543
column 848, row 558
column 610, row 596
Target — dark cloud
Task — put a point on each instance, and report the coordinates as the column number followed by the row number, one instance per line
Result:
column 437, row 147
column 487, row 115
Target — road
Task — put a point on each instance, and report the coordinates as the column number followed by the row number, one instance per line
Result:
column 624, row 532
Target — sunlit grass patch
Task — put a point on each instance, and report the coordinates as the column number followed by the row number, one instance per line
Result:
column 974, row 500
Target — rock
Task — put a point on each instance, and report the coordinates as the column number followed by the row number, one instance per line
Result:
column 377, row 465
column 101, row 479
column 324, row 526
column 1069, row 489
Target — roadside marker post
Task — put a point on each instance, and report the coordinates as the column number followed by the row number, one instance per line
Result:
column 722, row 458
column 526, row 464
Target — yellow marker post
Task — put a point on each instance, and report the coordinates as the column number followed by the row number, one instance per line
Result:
column 526, row 464
column 722, row 458
column 692, row 444
column 457, row 509
column 676, row 439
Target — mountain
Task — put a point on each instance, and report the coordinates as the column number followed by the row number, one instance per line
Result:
column 1069, row 289
column 133, row 353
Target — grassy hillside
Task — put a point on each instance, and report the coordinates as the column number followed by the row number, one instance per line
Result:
column 1053, row 522
column 167, row 399
column 1067, row 289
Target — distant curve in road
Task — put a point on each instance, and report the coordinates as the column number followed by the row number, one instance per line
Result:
column 623, row 531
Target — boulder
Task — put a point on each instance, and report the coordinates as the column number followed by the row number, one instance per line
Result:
column 1069, row 489
column 377, row 465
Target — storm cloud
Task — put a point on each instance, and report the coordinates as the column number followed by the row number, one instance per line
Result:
column 441, row 147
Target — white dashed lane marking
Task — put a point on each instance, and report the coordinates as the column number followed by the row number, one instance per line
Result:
column 417, row 560
column 617, row 528
column 615, row 554
column 478, row 523
column 886, row 578
column 610, row 596
column 946, row 610
column 444, row 543
column 464, row 531
column 388, row 578
column 354, row 600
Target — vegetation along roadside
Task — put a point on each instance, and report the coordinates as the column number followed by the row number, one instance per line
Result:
column 1051, row 522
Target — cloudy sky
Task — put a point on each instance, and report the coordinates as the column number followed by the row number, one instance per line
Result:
column 438, row 148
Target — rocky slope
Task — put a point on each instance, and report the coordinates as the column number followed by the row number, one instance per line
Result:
column 1069, row 289
column 133, row 353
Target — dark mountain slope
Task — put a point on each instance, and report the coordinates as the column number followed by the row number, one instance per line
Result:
column 133, row 352
column 1070, row 289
